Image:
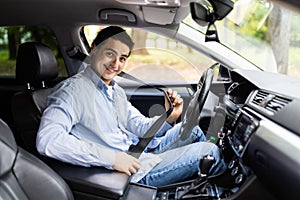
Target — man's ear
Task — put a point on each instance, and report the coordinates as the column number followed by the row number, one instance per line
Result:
column 93, row 50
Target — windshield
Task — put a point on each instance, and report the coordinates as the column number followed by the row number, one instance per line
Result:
column 262, row 32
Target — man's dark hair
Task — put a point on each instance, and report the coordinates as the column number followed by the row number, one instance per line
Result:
column 114, row 32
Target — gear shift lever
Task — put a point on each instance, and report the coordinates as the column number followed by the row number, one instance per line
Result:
column 205, row 164
column 197, row 189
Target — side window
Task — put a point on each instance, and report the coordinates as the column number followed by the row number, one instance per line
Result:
column 156, row 58
column 11, row 37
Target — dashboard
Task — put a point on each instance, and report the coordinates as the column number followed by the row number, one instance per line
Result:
column 260, row 137
column 259, row 140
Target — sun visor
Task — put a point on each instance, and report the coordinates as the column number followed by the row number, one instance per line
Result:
column 159, row 15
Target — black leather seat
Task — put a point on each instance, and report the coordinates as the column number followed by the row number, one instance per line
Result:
column 23, row 176
column 35, row 66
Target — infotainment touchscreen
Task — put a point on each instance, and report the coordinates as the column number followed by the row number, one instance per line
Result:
column 245, row 126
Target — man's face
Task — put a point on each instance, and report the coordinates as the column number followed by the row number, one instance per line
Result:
column 109, row 59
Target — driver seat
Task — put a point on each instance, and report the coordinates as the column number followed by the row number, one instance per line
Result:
column 23, row 176
column 37, row 64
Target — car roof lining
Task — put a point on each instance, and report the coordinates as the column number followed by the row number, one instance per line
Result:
column 52, row 11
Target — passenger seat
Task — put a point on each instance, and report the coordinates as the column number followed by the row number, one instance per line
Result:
column 35, row 66
column 25, row 177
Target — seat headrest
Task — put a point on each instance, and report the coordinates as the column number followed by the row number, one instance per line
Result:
column 35, row 63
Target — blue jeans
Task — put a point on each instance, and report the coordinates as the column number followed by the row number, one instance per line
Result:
column 180, row 158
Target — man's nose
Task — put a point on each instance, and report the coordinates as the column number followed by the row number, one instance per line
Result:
column 115, row 63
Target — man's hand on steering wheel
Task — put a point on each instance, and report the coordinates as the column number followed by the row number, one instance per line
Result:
column 177, row 102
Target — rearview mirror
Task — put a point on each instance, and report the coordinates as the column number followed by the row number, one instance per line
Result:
column 202, row 13
column 208, row 11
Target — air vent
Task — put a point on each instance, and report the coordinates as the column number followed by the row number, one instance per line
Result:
column 259, row 97
column 270, row 102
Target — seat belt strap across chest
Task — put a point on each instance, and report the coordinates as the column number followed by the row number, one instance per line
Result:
column 137, row 149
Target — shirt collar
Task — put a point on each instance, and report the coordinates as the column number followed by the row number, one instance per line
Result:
column 90, row 73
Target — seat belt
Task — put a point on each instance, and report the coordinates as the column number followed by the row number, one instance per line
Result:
column 137, row 150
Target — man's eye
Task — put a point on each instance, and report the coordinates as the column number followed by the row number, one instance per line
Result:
column 123, row 59
column 109, row 54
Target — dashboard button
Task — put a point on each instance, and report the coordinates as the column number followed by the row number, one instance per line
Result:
column 234, row 171
column 231, row 164
column 240, row 148
column 239, row 179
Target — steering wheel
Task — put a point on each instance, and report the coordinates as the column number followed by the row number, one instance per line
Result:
column 192, row 115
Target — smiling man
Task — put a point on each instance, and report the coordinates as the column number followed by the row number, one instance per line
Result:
column 89, row 122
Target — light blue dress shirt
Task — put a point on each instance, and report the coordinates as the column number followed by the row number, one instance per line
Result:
column 86, row 122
